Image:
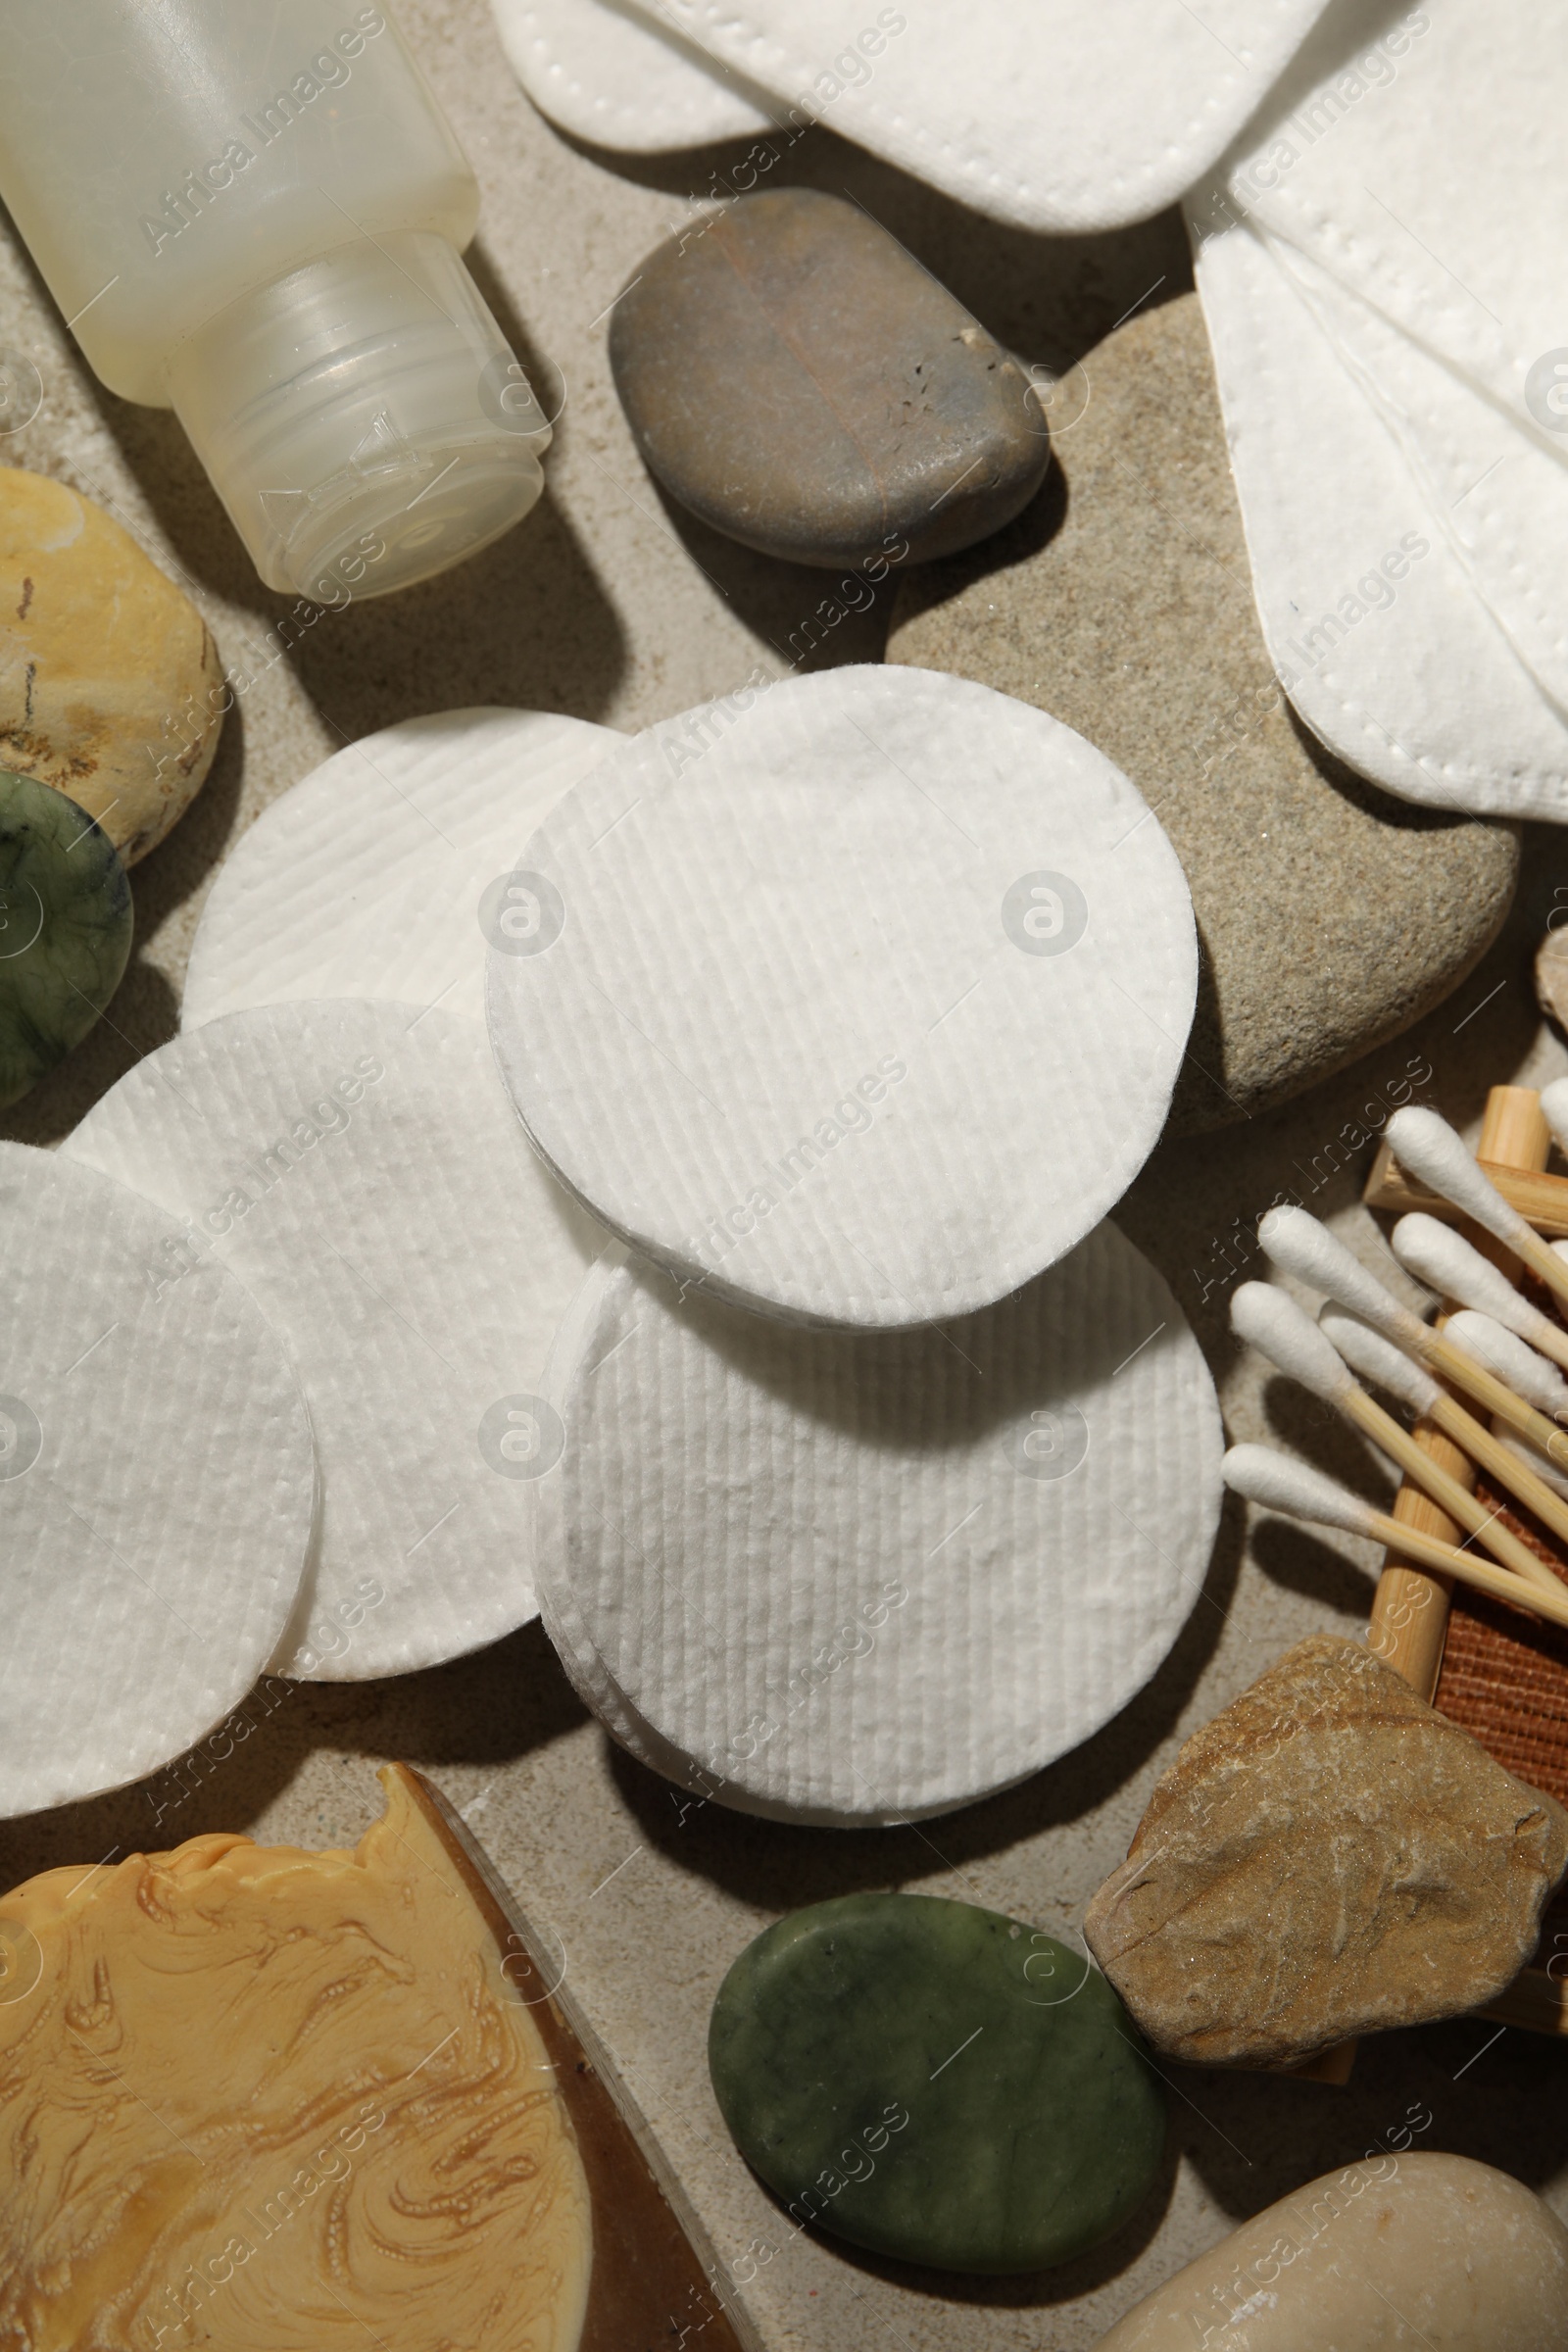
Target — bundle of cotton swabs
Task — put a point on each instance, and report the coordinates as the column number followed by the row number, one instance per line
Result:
column 1499, row 1350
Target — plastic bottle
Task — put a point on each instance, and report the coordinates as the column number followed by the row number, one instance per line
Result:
column 253, row 212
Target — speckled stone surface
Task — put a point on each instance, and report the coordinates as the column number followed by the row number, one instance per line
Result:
column 1330, row 914
column 1402, row 1870
column 110, row 684
column 612, row 605
column 797, row 379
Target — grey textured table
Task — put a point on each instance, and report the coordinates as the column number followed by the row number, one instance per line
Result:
column 609, row 605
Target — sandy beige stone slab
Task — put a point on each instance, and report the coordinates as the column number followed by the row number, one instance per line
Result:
column 1331, row 917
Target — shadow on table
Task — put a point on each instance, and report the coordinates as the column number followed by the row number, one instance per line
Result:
column 495, row 1707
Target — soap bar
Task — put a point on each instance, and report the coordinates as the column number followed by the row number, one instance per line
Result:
column 65, row 929
column 261, row 2086
column 259, row 2097
column 936, row 2082
column 1418, row 2253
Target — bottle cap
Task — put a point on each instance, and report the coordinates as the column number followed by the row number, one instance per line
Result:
column 362, row 418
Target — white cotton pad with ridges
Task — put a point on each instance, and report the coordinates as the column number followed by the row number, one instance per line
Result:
column 622, row 81
column 1055, row 117
column 371, row 877
column 358, row 1167
column 157, row 1486
column 1371, row 615
column 852, row 1579
column 859, row 1005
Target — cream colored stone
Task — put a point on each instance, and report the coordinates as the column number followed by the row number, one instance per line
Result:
column 111, row 688
column 1396, row 2252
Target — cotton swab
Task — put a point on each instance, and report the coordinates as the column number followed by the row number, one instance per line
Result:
column 1503, row 1352
column 1290, row 1487
column 1522, row 1471
column 1277, row 1327
column 1437, row 1255
column 1538, row 1382
column 1425, row 1146
column 1445, row 1259
column 1299, row 1244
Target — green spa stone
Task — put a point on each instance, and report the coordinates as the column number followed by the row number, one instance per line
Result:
column 65, row 929
column 936, row 2082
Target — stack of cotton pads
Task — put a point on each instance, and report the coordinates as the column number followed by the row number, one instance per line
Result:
column 854, row 1579
column 1069, row 115
column 1379, row 261
column 884, row 1470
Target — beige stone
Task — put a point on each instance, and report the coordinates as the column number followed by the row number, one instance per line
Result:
column 1330, row 916
column 1328, row 1856
column 111, row 688
column 1396, row 2252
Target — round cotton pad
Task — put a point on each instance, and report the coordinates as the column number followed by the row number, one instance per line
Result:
column 157, row 1486
column 859, row 1005
column 358, row 1167
column 367, row 879
column 606, row 76
column 856, row 1579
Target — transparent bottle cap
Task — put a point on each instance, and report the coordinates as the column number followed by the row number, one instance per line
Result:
column 363, row 419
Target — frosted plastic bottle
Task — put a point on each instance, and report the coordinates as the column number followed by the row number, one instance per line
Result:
column 253, row 212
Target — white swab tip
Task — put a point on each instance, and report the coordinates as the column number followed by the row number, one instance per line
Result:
column 1425, row 1146
column 1280, row 1483
column 1280, row 1329
column 1554, row 1108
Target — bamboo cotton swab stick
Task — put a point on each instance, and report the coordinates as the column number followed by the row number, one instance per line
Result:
column 1429, row 1148
column 1299, row 1244
column 1280, row 1484
column 1378, row 1360
column 1437, row 1255
column 1277, row 1327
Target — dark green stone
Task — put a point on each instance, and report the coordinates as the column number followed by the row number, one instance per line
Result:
column 1034, row 2122
column 65, row 929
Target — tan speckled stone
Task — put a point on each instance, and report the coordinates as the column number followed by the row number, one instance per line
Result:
column 1331, row 917
column 1329, row 1857
column 111, row 688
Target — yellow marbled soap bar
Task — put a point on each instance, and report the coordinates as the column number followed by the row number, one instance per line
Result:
column 277, row 2101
